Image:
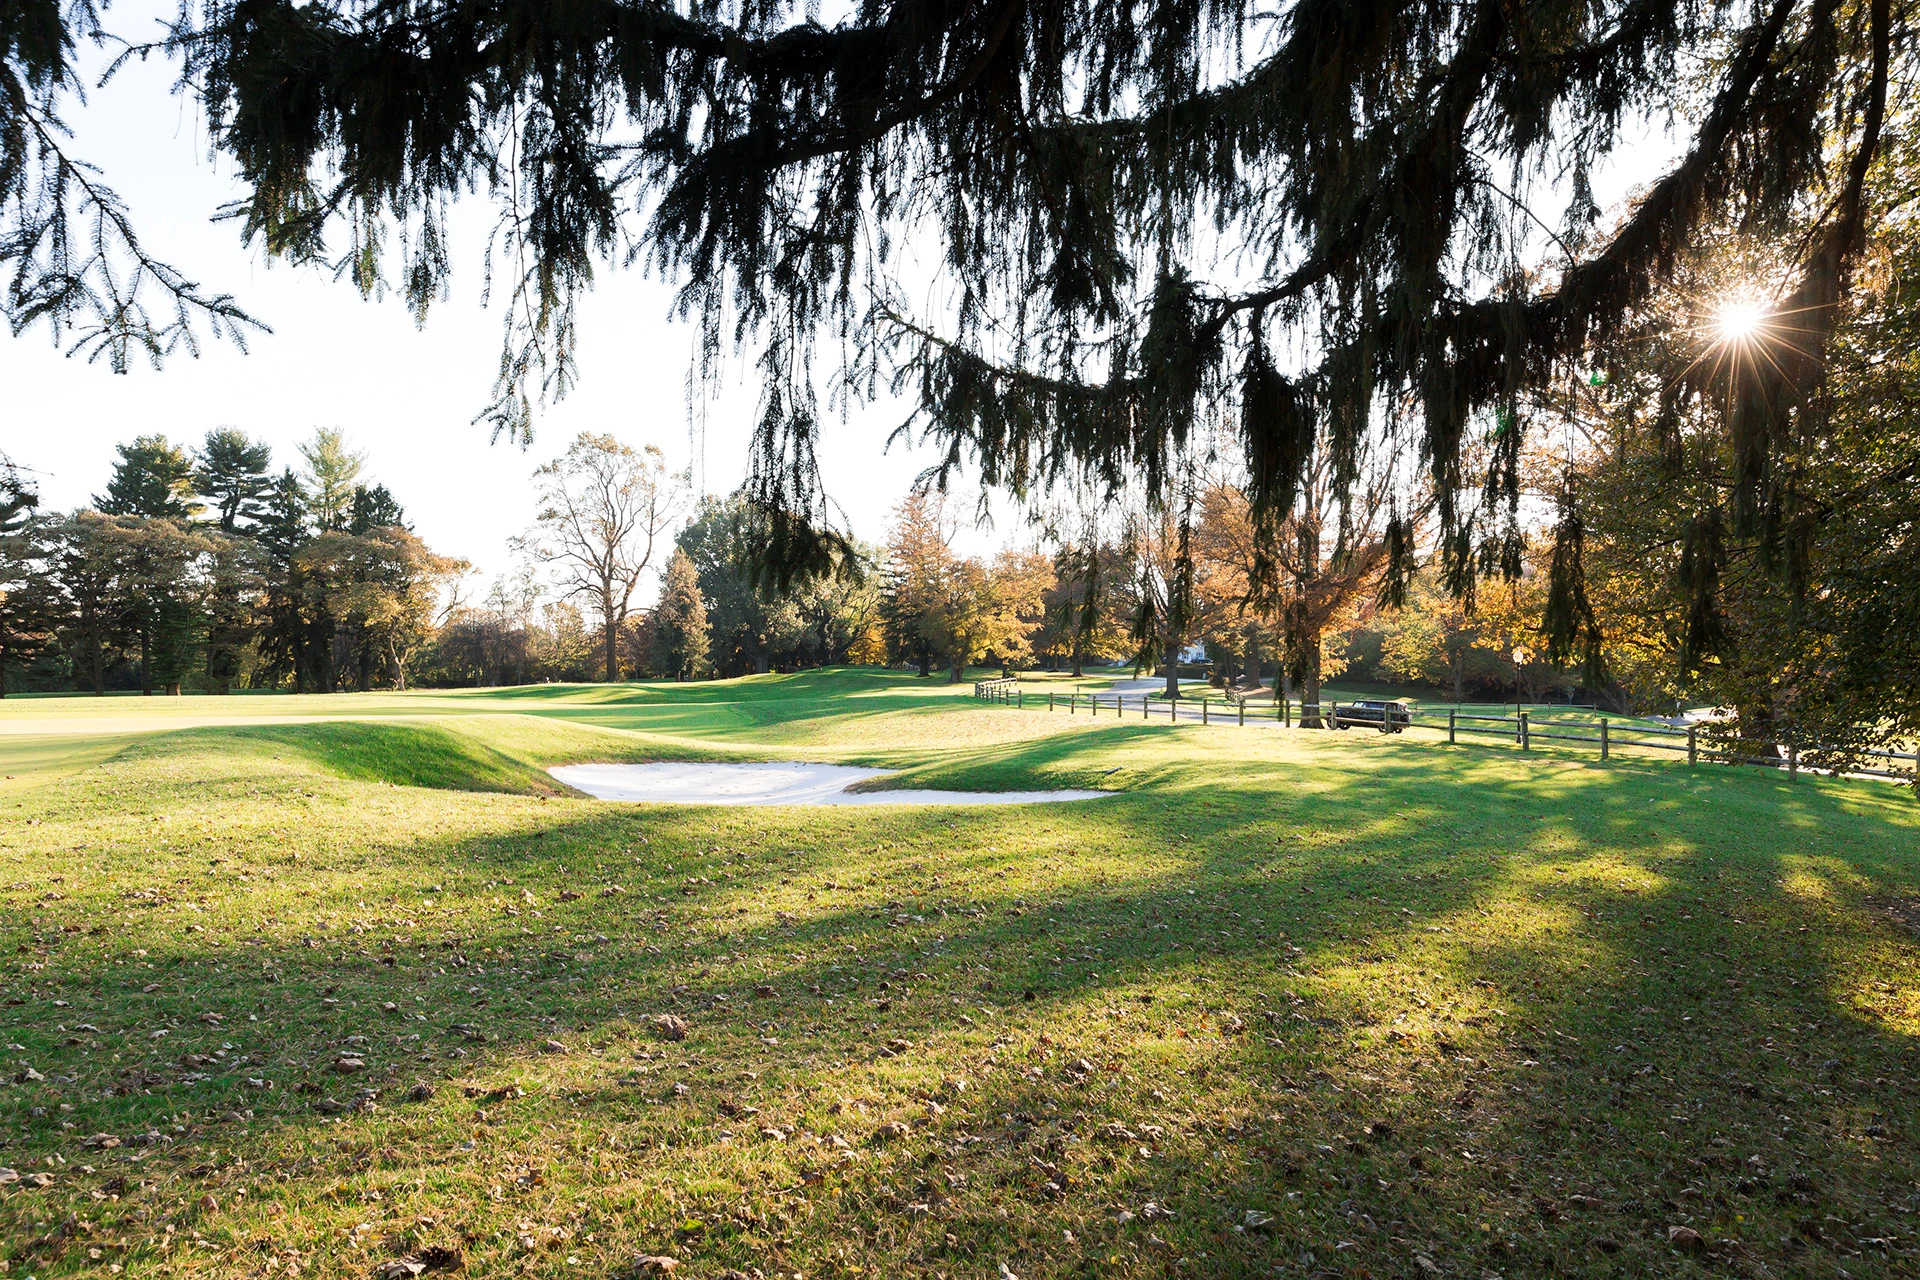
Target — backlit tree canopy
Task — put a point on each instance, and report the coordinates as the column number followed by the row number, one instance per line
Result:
column 1324, row 218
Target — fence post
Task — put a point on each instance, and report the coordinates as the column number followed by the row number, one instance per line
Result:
column 1146, row 706
column 1603, row 737
column 1286, row 713
column 1526, row 743
column 1020, row 699
column 1451, row 713
column 1693, row 745
column 1049, row 699
column 1203, row 711
column 1243, row 711
column 1793, row 762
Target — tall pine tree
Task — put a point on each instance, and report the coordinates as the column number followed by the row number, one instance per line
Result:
column 677, row 626
column 234, row 474
column 152, row 480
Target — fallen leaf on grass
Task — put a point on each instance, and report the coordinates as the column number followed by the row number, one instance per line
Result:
column 670, row 1026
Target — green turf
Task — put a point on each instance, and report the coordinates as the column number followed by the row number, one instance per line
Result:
column 1294, row 1004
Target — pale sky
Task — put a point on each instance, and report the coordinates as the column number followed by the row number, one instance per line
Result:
column 405, row 396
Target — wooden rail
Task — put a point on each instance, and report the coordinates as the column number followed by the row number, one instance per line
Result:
column 1700, row 742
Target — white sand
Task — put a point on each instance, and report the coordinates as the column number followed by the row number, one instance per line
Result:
column 794, row 783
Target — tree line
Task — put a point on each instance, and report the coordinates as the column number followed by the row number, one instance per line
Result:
column 203, row 568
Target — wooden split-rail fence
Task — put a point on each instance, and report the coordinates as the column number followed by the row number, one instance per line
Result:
column 1700, row 742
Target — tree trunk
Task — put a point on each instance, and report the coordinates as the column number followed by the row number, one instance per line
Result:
column 1171, row 650
column 399, row 669
column 959, row 668
column 761, row 662
column 1079, row 661
column 926, row 660
column 611, row 638
column 1310, row 683
column 146, row 664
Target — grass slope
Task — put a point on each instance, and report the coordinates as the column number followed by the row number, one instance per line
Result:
column 1293, row 1005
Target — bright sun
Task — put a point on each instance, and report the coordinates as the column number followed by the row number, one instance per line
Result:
column 1739, row 321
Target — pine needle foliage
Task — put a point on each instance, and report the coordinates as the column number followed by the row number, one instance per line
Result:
column 1322, row 217
column 71, row 260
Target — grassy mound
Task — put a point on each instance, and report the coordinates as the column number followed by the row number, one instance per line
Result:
column 498, row 753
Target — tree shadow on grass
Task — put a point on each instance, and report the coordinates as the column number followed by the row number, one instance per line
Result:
column 1442, row 1010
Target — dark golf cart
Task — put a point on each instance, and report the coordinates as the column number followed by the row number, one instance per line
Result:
column 1389, row 715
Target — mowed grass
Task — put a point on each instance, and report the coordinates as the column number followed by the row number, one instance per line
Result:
column 1294, row 1004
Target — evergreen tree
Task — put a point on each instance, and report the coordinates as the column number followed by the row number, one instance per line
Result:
column 69, row 256
column 678, row 624
column 285, row 523
column 1097, row 174
column 286, row 641
column 332, row 469
column 19, row 497
column 231, row 471
column 26, row 604
column 373, row 508
column 153, row 480
column 750, row 623
column 232, row 607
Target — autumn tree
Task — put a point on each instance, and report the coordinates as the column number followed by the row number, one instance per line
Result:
column 381, row 593
column 1083, row 616
column 162, row 582
column 1435, row 638
column 1019, row 582
column 919, row 562
column 89, row 559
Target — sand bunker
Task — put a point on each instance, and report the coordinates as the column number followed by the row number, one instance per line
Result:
column 771, row 784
